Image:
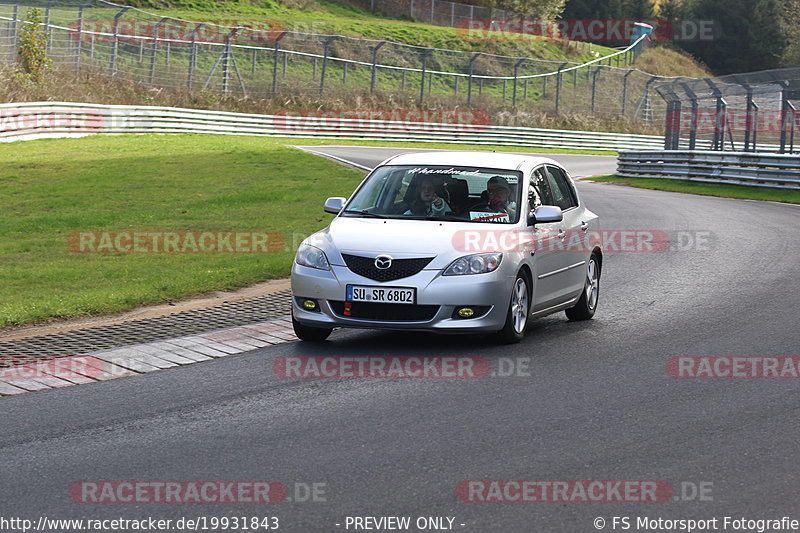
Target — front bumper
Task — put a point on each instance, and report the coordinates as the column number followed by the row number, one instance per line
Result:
column 443, row 293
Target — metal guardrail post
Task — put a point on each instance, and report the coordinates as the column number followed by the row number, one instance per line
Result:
column 193, row 55
column 326, row 48
column 469, row 82
column 152, row 72
column 373, row 83
column 516, row 75
column 112, row 66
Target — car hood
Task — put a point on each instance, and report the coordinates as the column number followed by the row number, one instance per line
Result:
column 396, row 237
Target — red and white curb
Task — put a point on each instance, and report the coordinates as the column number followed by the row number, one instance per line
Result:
column 142, row 358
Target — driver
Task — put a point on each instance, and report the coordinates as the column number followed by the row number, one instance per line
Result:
column 428, row 202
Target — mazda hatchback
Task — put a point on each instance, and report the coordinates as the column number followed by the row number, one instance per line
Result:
column 450, row 242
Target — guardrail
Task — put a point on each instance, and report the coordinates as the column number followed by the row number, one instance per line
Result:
column 39, row 120
column 740, row 168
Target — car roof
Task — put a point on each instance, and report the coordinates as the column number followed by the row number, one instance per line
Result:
column 497, row 160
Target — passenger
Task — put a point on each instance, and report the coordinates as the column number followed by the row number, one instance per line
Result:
column 428, row 202
column 499, row 195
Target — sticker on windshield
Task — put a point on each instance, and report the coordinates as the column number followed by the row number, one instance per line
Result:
column 488, row 216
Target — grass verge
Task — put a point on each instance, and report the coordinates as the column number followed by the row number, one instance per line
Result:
column 708, row 189
column 51, row 189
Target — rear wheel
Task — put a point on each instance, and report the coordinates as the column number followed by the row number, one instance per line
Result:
column 518, row 308
column 587, row 304
column 310, row 333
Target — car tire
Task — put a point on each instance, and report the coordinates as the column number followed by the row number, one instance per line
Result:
column 310, row 333
column 518, row 312
column 587, row 304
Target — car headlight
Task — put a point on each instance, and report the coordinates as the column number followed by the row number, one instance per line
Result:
column 474, row 264
column 311, row 256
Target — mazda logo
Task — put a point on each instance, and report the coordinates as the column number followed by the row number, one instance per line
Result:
column 383, row 262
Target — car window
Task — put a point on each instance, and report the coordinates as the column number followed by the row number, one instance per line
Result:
column 539, row 193
column 560, row 187
column 469, row 194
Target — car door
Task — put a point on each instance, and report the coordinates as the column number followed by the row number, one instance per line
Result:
column 573, row 260
column 546, row 257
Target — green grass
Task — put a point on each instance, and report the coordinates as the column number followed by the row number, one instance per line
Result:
column 708, row 189
column 50, row 189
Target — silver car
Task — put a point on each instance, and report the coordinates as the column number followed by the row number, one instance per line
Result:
column 450, row 242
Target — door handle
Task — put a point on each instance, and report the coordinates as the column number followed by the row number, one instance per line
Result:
column 584, row 225
column 562, row 234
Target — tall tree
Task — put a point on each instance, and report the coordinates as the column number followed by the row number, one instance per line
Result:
column 749, row 34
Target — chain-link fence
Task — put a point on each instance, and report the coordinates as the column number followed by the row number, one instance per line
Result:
column 263, row 60
column 756, row 111
column 438, row 12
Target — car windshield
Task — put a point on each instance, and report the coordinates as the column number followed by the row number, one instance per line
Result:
column 449, row 193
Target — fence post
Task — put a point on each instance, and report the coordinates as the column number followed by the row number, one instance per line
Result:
column 193, row 55
column 424, row 57
column 115, row 48
column 373, row 82
column 452, row 14
column 15, row 32
column 625, row 89
column 275, row 63
column 594, row 89
column 80, row 35
column 411, row 10
column 718, row 143
column 693, row 122
column 47, row 26
column 325, row 50
column 433, row 6
column 558, row 86
column 155, row 50
column 226, row 61
column 469, row 81
column 516, row 75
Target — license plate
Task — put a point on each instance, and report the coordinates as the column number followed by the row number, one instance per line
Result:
column 383, row 295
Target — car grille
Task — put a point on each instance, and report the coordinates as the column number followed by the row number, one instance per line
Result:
column 388, row 312
column 401, row 268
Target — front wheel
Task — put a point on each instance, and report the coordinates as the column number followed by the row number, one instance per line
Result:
column 310, row 333
column 587, row 304
column 517, row 317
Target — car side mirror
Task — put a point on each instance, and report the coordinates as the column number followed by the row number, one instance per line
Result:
column 334, row 204
column 544, row 214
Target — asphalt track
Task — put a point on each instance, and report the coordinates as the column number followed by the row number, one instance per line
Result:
column 595, row 403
